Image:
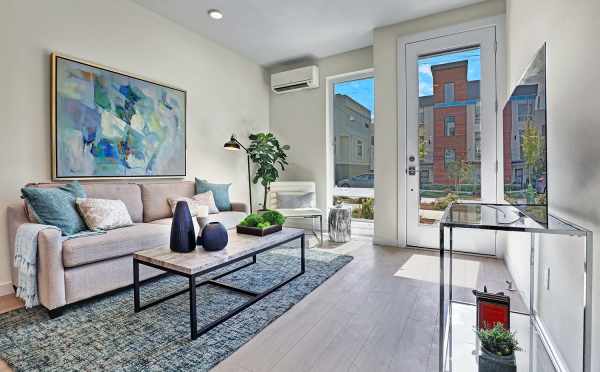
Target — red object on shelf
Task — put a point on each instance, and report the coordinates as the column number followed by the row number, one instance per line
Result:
column 491, row 309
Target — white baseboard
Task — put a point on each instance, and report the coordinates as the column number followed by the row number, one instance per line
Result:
column 6, row 289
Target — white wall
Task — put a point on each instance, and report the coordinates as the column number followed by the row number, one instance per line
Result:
column 298, row 118
column 226, row 92
column 570, row 28
column 388, row 213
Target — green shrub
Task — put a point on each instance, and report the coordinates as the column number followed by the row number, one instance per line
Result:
column 273, row 217
column 252, row 220
column 498, row 340
column 263, row 225
column 264, row 220
column 443, row 203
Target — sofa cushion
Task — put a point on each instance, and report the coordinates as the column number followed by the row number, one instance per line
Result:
column 220, row 193
column 56, row 206
column 129, row 193
column 115, row 243
column 229, row 219
column 103, row 214
column 155, row 198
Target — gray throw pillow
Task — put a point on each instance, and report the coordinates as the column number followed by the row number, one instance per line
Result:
column 294, row 200
column 55, row 206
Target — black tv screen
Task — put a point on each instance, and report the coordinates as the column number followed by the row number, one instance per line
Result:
column 524, row 137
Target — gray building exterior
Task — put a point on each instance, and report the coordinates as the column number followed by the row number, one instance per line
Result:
column 353, row 138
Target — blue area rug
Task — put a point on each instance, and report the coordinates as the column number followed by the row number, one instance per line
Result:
column 105, row 334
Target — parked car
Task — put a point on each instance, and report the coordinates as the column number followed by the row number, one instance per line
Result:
column 364, row 180
column 540, row 184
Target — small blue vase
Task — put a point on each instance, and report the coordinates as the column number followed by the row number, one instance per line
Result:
column 214, row 237
column 183, row 237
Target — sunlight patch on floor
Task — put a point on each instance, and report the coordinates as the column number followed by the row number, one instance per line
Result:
column 427, row 268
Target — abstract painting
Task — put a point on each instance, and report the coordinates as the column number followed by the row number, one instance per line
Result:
column 108, row 124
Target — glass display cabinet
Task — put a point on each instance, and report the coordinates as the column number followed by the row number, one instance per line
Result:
column 459, row 347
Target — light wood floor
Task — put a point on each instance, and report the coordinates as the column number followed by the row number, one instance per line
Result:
column 378, row 313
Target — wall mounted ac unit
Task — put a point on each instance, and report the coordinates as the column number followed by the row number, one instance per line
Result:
column 297, row 79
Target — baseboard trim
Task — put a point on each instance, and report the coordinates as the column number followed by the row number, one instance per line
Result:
column 6, row 289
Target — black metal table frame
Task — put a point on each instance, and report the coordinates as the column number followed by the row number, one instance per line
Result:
column 256, row 296
column 577, row 231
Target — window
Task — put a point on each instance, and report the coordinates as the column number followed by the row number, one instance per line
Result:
column 449, row 92
column 477, row 147
column 424, row 176
column 477, row 114
column 449, row 157
column 421, row 115
column 521, row 133
column 519, row 176
column 350, row 110
column 449, row 126
column 524, row 112
column 359, row 149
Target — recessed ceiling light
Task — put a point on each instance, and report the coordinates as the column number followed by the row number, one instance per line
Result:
column 215, row 14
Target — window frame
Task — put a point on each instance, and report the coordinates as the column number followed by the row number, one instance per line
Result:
column 446, row 128
column 449, row 84
column 446, row 160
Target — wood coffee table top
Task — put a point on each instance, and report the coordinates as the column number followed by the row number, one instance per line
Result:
column 199, row 260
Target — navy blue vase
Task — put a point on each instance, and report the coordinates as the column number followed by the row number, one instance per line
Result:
column 183, row 237
column 214, row 237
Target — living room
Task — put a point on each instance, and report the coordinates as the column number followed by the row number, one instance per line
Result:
column 417, row 152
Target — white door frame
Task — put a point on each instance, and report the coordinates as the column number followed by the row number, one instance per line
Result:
column 330, row 82
column 498, row 22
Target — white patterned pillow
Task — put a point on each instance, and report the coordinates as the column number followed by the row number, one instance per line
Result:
column 103, row 214
column 197, row 209
column 207, row 198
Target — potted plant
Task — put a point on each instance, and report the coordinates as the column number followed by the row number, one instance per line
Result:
column 267, row 153
column 498, row 346
column 261, row 224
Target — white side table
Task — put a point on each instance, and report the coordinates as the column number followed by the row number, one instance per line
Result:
column 340, row 223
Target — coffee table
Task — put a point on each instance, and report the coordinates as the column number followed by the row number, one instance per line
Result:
column 200, row 262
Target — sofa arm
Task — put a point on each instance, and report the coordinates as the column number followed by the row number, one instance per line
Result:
column 51, row 272
column 239, row 207
column 15, row 217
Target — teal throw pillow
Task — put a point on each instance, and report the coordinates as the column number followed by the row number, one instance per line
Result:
column 220, row 193
column 56, row 206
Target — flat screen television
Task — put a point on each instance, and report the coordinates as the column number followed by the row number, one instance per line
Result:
column 524, row 138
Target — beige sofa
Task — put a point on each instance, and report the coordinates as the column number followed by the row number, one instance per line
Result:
column 76, row 269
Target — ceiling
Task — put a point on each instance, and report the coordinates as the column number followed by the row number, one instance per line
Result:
column 273, row 31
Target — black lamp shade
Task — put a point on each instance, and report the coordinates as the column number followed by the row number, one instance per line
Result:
column 231, row 145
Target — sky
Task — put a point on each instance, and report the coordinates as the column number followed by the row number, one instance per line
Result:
column 362, row 91
column 426, row 79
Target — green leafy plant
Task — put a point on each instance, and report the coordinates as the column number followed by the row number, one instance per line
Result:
column 532, row 148
column 268, row 154
column 443, row 203
column 252, row 220
column 273, row 217
column 264, row 220
column 498, row 340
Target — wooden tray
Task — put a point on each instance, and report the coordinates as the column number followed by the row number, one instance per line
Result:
column 256, row 231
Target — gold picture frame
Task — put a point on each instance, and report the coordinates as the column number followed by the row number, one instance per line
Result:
column 122, row 148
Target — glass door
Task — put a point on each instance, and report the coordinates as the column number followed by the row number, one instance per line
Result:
column 451, row 132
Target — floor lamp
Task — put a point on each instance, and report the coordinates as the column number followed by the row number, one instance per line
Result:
column 234, row 145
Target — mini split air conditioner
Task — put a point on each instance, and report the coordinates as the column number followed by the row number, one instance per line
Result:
column 297, row 79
